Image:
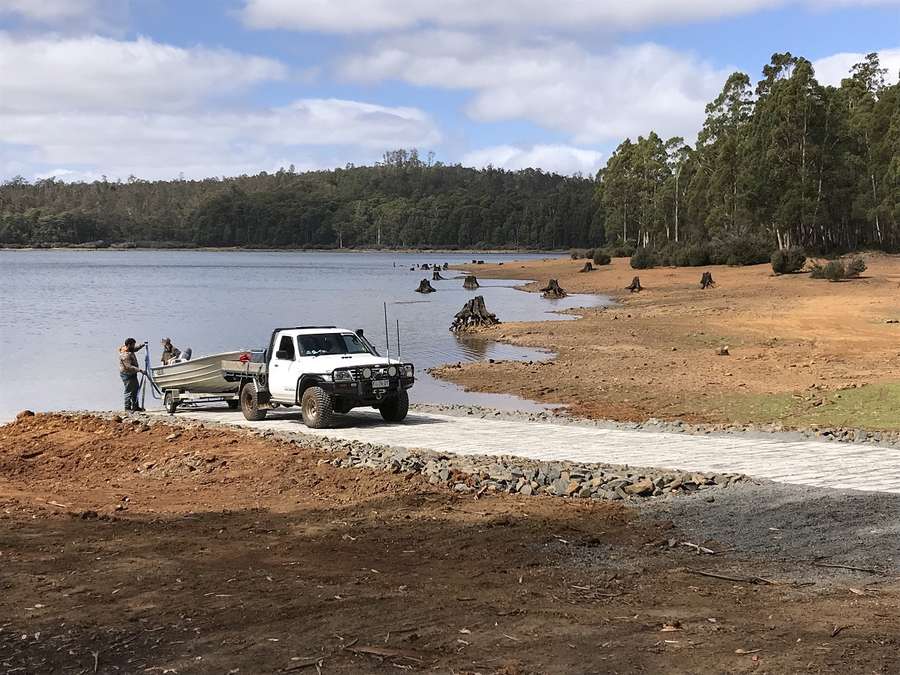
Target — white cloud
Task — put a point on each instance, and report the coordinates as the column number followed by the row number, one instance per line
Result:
column 366, row 16
column 98, row 73
column 87, row 106
column 47, row 10
column 563, row 159
column 593, row 97
column 832, row 69
column 209, row 143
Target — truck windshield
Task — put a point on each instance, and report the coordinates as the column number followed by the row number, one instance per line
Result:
column 331, row 343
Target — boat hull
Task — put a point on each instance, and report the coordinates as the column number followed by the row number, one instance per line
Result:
column 202, row 375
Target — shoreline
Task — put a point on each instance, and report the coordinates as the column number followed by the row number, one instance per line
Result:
column 654, row 354
column 224, row 249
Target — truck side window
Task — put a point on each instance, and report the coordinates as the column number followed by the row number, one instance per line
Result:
column 286, row 348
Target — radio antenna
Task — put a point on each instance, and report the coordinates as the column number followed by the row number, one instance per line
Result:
column 387, row 339
column 399, row 358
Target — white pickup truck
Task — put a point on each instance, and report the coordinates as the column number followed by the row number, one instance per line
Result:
column 323, row 369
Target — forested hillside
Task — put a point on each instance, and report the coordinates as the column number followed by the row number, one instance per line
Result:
column 401, row 202
column 787, row 163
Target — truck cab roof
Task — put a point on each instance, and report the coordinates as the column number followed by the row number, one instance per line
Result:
column 314, row 330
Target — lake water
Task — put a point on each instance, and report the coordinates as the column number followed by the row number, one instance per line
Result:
column 64, row 313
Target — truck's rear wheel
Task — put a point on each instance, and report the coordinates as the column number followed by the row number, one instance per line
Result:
column 170, row 402
column 395, row 408
column 250, row 403
column 318, row 408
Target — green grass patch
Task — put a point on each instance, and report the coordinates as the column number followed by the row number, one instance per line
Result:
column 874, row 407
column 871, row 407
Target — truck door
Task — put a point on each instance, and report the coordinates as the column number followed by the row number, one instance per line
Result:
column 282, row 370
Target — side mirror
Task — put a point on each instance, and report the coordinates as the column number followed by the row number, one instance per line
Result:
column 359, row 332
column 284, row 355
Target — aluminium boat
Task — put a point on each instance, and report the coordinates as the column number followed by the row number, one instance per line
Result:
column 200, row 375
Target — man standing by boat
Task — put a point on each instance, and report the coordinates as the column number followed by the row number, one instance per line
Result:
column 128, row 371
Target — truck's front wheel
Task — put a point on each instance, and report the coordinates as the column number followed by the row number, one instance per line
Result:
column 250, row 403
column 318, row 408
column 395, row 408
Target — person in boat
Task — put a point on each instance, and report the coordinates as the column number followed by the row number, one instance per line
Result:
column 170, row 353
column 128, row 371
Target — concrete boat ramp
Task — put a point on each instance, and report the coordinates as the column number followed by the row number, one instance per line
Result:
column 815, row 463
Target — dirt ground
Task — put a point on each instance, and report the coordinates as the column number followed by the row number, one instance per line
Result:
column 802, row 351
column 126, row 548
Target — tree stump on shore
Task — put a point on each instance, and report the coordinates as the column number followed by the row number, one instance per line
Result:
column 436, row 276
column 425, row 287
column 706, row 281
column 470, row 283
column 635, row 286
column 473, row 315
column 588, row 267
column 553, row 290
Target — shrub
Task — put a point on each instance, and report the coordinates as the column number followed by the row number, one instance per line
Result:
column 643, row 259
column 666, row 255
column 601, row 257
column 575, row 254
column 620, row 250
column 855, row 267
column 589, row 253
column 788, row 261
column 835, row 270
column 739, row 250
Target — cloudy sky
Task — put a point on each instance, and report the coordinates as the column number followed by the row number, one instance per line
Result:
column 162, row 88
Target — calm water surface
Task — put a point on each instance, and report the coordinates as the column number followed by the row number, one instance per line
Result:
column 63, row 314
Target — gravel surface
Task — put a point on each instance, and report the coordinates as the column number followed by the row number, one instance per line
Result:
column 799, row 527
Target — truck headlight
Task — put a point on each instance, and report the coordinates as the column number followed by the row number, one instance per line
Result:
column 367, row 373
column 407, row 370
column 342, row 375
column 392, row 371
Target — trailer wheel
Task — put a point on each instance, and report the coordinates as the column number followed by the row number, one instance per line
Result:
column 170, row 402
column 250, row 403
column 395, row 408
column 318, row 408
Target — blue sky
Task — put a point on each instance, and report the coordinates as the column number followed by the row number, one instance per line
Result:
column 162, row 88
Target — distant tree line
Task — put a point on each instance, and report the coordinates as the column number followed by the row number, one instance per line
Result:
column 791, row 163
column 402, row 201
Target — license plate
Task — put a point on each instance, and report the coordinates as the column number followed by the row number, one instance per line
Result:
column 380, row 384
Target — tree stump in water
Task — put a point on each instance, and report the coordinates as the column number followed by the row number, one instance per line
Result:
column 473, row 315
column 446, row 266
column 436, row 276
column 425, row 266
column 706, row 281
column 588, row 267
column 553, row 290
column 470, row 283
column 635, row 286
column 425, row 287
